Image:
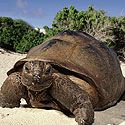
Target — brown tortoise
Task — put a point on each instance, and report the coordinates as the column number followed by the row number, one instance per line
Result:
column 72, row 71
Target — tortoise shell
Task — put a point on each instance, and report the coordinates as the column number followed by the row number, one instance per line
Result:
column 83, row 54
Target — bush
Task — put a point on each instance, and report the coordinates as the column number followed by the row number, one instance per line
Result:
column 18, row 35
column 32, row 38
column 6, row 33
column 11, row 32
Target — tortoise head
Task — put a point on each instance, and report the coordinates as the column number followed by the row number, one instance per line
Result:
column 37, row 75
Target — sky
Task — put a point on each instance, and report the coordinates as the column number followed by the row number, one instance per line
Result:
column 40, row 13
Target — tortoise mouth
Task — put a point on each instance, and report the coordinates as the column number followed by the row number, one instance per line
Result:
column 38, row 86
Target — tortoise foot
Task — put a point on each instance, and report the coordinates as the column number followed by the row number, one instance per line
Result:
column 83, row 117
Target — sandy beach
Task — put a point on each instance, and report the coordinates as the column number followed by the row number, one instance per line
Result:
column 31, row 116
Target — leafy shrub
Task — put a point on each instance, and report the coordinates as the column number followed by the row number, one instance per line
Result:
column 12, row 31
column 6, row 32
column 32, row 38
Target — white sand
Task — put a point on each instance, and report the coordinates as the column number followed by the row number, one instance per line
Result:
column 31, row 116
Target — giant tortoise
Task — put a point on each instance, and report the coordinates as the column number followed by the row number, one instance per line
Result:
column 71, row 72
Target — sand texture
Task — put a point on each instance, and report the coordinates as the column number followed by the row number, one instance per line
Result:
column 32, row 116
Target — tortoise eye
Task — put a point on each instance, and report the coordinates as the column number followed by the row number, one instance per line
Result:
column 48, row 71
column 27, row 69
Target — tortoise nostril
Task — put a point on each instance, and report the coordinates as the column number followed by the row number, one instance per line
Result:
column 36, row 78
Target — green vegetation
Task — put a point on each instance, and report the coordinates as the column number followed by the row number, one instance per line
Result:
column 32, row 38
column 17, row 35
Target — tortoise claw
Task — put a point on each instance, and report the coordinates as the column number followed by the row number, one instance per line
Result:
column 82, row 122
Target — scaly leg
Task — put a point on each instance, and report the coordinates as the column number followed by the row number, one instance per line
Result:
column 75, row 99
column 12, row 91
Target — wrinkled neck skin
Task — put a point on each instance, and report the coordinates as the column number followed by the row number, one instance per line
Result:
column 38, row 96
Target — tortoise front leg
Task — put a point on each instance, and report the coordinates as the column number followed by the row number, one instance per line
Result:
column 73, row 98
column 12, row 91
